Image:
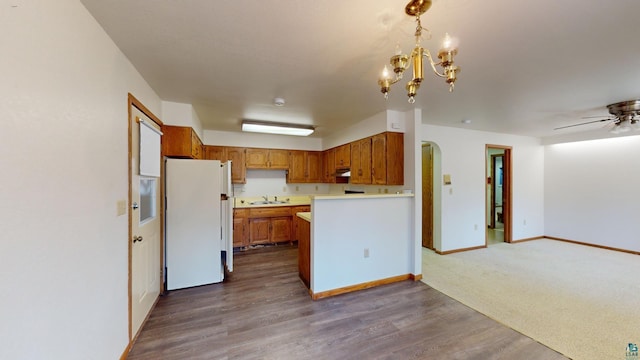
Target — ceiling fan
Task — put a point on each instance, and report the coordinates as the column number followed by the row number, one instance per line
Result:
column 624, row 116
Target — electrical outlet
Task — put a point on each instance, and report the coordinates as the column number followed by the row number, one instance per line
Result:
column 297, row 188
column 284, row 189
column 316, row 187
column 366, row 253
column 475, row 227
column 379, row 191
column 386, row 191
column 450, row 191
column 524, row 222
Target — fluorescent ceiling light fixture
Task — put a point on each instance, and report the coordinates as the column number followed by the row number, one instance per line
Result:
column 276, row 128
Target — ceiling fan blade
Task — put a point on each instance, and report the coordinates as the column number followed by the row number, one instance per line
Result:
column 584, row 123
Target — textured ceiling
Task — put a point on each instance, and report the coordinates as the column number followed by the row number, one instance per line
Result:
column 527, row 66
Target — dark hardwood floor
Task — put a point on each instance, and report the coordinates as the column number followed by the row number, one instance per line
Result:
column 264, row 311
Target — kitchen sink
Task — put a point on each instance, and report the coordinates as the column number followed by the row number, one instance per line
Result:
column 267, row 202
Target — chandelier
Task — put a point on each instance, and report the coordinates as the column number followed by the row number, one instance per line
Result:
column 400, row 62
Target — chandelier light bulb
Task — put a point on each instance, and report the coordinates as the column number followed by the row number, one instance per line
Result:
column 449, row 43
column 385, row 73
column 398, row 50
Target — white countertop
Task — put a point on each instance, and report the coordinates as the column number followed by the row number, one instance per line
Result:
column 304, row 216
column 294, row 200
column 358, row 196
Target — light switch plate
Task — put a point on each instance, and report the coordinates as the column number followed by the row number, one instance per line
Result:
column 122, row 207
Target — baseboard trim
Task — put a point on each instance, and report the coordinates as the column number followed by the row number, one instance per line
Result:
column 592, row 245
column 528, row 239
column 415, row 277
column 125, row 354
column 460, row 250
column 362, row 286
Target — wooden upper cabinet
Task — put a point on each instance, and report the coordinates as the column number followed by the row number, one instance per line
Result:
column 361, row 161
column 314, row 166
column 305, row 166
column 238, row 168
column 267, row 159
column 329, row 166
column 387, row 157
column 343, row 156
column 181, row 142
column 297, row 168
column 215, row 153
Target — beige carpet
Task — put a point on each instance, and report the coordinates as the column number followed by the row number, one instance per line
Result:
column 581, row 301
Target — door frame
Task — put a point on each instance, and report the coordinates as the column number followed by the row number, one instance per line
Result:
column 507, row 186
column 131, row 103
column 493, row 188
column 427, row 195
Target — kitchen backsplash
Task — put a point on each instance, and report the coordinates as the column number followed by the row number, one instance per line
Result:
column 274, row 183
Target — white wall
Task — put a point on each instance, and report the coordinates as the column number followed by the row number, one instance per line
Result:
column 341, row 230
column 592, row 193
column 63, row 257
column 367, row 127
column 463, row 202
column 180, row 114
column 274, row 183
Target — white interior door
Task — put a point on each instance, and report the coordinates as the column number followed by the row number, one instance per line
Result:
column 145, row 240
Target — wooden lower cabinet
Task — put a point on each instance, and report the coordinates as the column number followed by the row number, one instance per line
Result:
column 240, row 228
column 269, row 230
column 294, row 217
column 259, row 231
column 304, row 253
column 269, row 225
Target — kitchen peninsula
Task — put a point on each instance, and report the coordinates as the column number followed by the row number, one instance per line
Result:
column 355, row 242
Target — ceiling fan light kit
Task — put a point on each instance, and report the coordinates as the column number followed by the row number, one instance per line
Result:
column 625, row 117
column 401, row 62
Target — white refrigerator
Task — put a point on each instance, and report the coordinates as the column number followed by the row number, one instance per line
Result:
column 198, row 222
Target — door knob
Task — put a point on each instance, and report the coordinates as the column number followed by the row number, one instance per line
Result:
column 137, row 238
column 135, row 205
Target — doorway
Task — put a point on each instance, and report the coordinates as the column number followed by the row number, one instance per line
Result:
column 498, row 194
column 145, row 214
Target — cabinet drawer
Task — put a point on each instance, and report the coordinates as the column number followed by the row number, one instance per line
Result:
column 270, row 212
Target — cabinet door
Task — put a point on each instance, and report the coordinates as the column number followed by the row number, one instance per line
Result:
column 280, row 229
column 278, row 159
column 238, row 167
column 296, row 167
column 395, row 158
column 180, row 142
column 314, row 166
column 361, row 161
column 355, row 163
column 365, row 161
column 343, row 156
column 257, row 158
column 196, row 146
column 329, row 166
column 240, row 232
column 259, row 231
column 215, row 153
column 379, row 159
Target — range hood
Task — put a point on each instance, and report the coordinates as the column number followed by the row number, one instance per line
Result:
column 343, row 173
